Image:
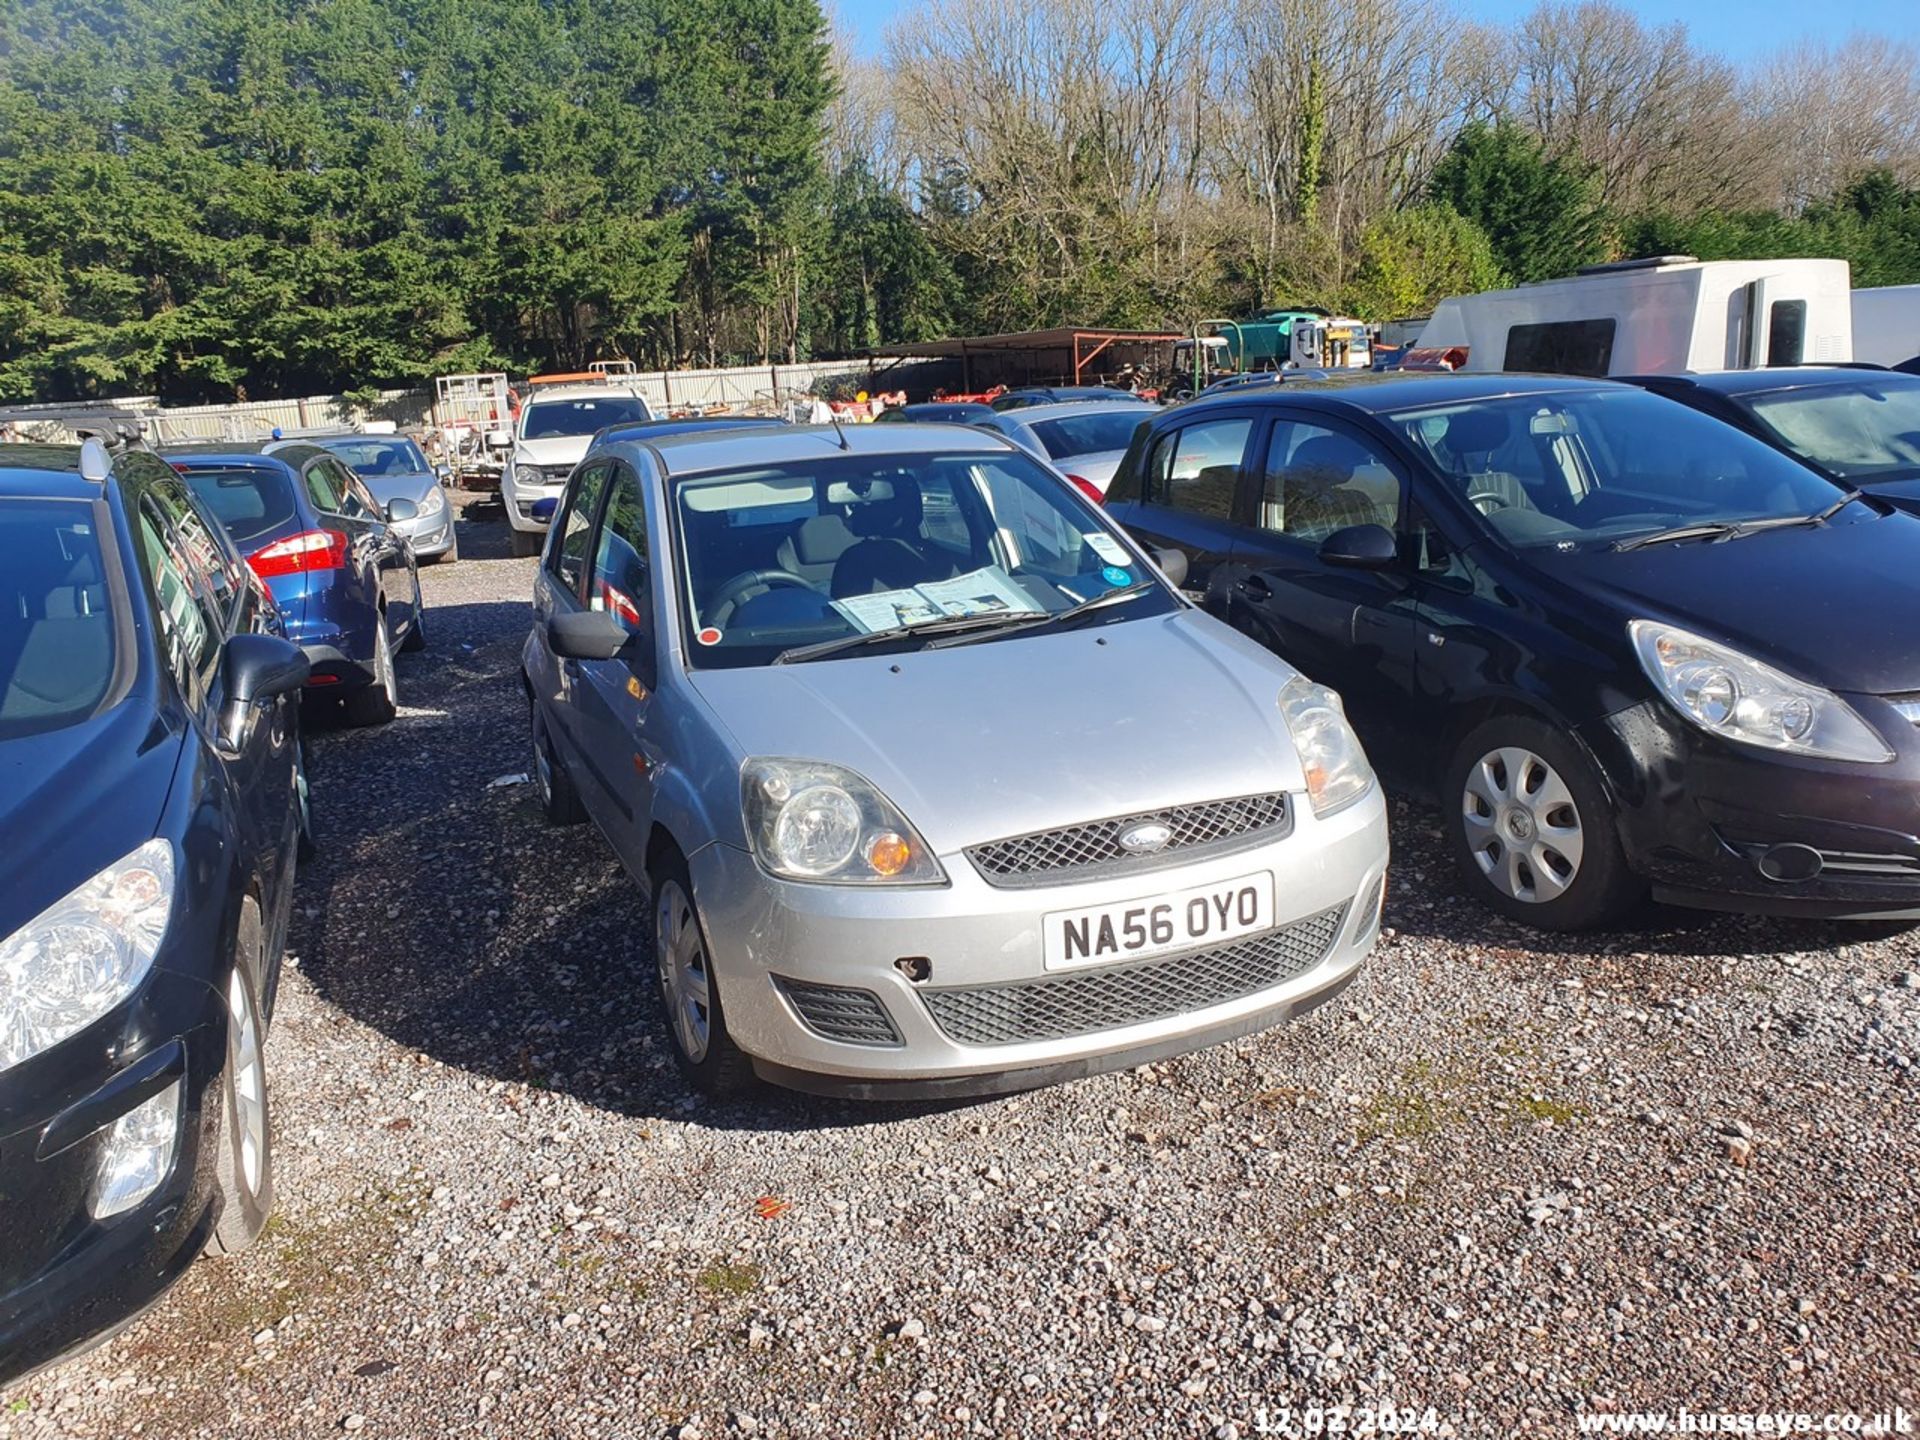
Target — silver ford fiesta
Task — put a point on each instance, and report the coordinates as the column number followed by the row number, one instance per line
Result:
column 937, row 784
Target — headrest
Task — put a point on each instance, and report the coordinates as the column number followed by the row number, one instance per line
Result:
column 1334, row 456
column 822, row 540
column 1471, row 432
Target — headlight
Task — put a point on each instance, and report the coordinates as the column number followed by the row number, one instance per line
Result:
column 525, row 474
column 433, row 502
column 84, row 954
column 1336, row 767
column 809, row 821
column 1733, row 695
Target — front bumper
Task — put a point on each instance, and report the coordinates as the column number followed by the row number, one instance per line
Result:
column 67, row 1279
column 988, row 1016
column 1732, row 827
column 519, row 500
column 432, row 536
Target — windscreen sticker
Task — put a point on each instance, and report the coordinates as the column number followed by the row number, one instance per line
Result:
column 1106, row 547
column 1116, row 577
column 708, row 636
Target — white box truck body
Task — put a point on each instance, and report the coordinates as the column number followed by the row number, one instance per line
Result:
column 1648, row 317
column 1886, row 325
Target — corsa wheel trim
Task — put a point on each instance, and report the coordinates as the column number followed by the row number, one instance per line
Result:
column 249, row 1085
column 686, row 982
column 1522, row 827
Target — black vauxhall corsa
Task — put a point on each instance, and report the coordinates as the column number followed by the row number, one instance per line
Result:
column 1628, row 646
column 151, row 805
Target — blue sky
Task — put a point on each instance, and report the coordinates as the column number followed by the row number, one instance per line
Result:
column 1738, row 29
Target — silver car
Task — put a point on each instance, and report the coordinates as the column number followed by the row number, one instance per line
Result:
column 1084, row 440
column 394, row 468
column 937, row 784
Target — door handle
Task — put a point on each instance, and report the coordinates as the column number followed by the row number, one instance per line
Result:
column 1256, row 588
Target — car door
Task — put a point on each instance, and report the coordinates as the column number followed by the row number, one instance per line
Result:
column 558, row 683
column 1188, row 491
column 352, row 601
column 613, row 704
column 1347, row 627
column 392, row 555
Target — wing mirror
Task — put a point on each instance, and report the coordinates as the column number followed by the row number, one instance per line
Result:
column 1360, row 547
column 499, row 439
column 255, row 669
column 401, row 509
column 586, row 635
column 1173, row 565
column 543, row 509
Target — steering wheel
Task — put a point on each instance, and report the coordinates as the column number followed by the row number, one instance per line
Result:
column 735, row 590
column 1488, row 501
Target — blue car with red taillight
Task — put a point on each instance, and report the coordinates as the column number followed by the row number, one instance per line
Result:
column 344, row 578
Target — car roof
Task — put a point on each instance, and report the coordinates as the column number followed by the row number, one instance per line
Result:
column 291, row 453
column 1374, row 392
column 710, row 450
column 1767, row 380
column 1066, row 409
column 44, row 472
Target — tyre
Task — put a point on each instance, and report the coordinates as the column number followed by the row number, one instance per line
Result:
column 243, row 1166
column 302, row 800
column 689, row 990
column 558, row 798
column 524, row 542
column 377, row 703
column 1532, row 830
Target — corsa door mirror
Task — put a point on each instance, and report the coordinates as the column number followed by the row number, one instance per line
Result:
column 401, row 509
column 1360, row 547
column 586, row 635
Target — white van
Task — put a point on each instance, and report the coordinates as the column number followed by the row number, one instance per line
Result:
column 1886, row 325
column 1651, row 316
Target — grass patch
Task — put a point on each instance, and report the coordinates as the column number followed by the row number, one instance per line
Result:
column 1559, row 1112
column 730, row 1279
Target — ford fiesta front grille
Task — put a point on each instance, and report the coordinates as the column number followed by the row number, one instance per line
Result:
column 1088, row 851
column 853, row 1017
column 1054, row 1007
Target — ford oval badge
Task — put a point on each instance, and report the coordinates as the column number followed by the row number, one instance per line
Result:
column 1145, row 839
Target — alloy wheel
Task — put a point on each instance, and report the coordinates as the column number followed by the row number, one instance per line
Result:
column 249, row 1083
column 686, row 982
column 1522, row 826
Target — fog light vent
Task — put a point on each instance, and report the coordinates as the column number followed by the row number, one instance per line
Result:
column 853, row 1017
column 138, row 1154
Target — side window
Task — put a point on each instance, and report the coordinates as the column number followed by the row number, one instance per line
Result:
column 568, row 559
column 620, row 563
column 323, row 488
column 1561, row 347
column 1318, row 481
column 1197, row 468
column 355, row 502
column 1786, row 332
column 191, row 621
column 211, row 559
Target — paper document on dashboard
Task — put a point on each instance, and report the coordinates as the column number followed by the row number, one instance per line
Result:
column 979, row 592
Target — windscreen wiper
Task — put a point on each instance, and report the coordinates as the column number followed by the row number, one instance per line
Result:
column 1035, row 622
column 1820, row 517
column 824, row 648
column 1694, row 530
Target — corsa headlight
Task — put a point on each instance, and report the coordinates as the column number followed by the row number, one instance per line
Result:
column 1735, row 696
column 433, row 502
column 810, row 821
column 1336, row 767
column 84, row 954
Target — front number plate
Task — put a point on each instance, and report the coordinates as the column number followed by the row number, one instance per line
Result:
column 1135, row 929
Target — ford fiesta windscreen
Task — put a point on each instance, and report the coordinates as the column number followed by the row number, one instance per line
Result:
column 861, row 553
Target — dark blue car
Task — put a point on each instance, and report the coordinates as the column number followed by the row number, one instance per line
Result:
column 344, row 578
column 151, row 809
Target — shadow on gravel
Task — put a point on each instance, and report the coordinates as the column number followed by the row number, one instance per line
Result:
column 1440, row 909
column 443, row 911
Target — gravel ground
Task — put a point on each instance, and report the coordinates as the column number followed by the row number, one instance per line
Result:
column 1507, row 1178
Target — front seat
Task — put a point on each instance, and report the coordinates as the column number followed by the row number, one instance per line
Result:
column 812, row 550
column 1320, row 497
column 1472, row 438
column 885, row 557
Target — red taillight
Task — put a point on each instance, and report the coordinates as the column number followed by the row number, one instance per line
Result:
column 323, row 680
column 1088, row 489
column 312, row 550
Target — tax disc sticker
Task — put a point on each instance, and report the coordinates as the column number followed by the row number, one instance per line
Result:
column 1106, row 547
column 1116, row 577
column 708, row 636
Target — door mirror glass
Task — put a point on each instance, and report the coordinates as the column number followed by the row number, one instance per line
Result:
column 1173, row 565
column 400, row 509
column 1360, row 547
column 544, row 507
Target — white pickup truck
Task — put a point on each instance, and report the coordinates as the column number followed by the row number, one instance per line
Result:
column 555, row 425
